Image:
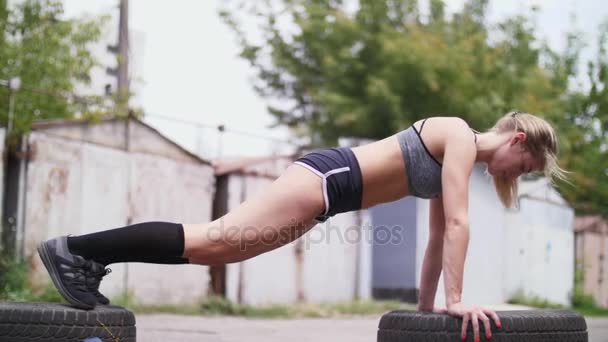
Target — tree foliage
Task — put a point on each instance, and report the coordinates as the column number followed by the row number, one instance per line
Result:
column 585, row 124
column 329, row 68
column 49, row 54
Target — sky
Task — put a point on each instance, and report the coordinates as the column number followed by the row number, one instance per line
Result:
column 189, row 67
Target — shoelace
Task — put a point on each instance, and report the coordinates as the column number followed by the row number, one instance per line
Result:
column 78, row 281
column 97, row 272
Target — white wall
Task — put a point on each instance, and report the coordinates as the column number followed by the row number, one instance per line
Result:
column 365, row 257
column 330, row 255
column 422, row 238
column 541, row 261
column 484, row 270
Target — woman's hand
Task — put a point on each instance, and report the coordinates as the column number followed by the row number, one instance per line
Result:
column 474, row 314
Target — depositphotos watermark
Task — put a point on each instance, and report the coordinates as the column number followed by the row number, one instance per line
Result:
column 322, row 233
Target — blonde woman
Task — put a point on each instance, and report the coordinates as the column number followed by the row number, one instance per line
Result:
column 431, row 159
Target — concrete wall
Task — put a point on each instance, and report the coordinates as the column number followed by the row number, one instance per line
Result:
column 78, row 187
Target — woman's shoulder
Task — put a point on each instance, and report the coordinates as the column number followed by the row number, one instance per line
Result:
column 450, row 121
column 447, row 118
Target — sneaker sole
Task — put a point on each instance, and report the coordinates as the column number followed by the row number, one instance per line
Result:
column 50, row 267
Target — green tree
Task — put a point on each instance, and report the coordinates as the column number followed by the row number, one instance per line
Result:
column 48, row 54
column 585, row 124
column 374, row 71
column 328, row 70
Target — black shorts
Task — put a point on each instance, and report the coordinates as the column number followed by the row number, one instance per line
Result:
column 341, row 175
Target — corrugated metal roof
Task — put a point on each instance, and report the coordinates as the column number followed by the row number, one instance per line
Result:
column 41, row 125
column 591, row 223
column 223, row 167
column 51, row 123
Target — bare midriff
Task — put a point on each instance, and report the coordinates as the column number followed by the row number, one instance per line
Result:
column 383, row 171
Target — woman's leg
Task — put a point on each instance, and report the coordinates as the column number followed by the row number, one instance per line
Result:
column 279, row 215
column 274, row 217
column 268, row 220
column 151, row 242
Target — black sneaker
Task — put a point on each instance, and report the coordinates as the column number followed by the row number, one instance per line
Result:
column 67, row 271
column 95, row 272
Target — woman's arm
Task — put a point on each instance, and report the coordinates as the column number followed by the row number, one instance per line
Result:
column 458, row 160
column 431, row 265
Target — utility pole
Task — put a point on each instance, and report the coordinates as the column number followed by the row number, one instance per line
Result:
column 122, row 87
column 123, row 48
column 13, row 86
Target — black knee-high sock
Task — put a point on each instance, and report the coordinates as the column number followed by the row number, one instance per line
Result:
column 151, row 242
column 168, row 260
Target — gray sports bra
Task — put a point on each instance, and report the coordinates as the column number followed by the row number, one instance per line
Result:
column 422, row 169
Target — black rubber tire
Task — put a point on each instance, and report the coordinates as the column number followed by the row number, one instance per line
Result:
column 29, row 322
column 525, row 325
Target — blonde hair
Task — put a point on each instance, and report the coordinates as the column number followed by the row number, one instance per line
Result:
column 541, row 142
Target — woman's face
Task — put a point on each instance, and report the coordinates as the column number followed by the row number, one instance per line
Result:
column 511, row 160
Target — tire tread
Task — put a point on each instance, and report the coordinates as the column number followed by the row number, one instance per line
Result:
column 520, row 325
column 30, row 322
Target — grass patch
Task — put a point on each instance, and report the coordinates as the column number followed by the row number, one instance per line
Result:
column 15, row 287
column 366, row 307
column 592, row 312
column 217, row 306
column 521, row 298
column 128, row 300
column 582, row 303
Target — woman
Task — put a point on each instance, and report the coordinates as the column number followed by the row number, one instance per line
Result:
column 431, row 159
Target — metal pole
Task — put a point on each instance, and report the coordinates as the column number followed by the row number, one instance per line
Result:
column 220, row 128
column 129, row 197
column 11, row 105
column 123, row 49
column 22, row 200
column 13, row 85
column 122, row 88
